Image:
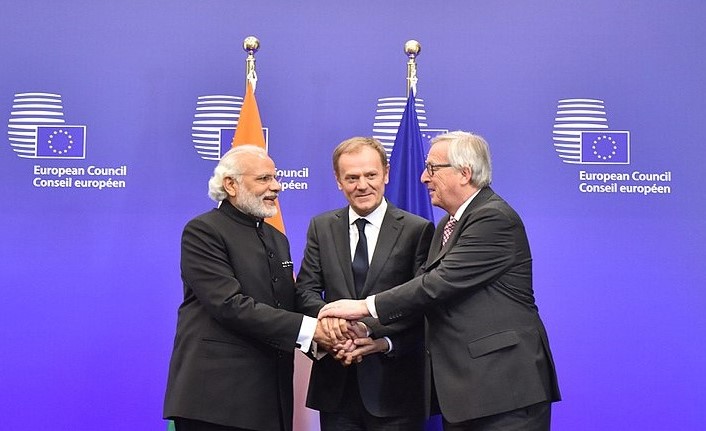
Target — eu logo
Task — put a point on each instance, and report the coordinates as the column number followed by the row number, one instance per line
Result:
column 605, row 147
column 61, row 142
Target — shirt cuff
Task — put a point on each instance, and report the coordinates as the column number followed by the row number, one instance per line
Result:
column 389, row 343
column 306, row 333
column 370, row 302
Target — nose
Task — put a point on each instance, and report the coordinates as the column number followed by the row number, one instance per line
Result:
column 424, row 178
column 275, row 184
column 362, row 183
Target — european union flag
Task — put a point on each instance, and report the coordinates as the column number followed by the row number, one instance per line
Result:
column 61, row 142
column 605, row 147
column 404, row 189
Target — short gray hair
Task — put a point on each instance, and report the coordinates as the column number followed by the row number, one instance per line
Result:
column 230, row 166
column 468, row 150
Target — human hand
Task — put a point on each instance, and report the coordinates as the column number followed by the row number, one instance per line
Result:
column 350, row 309
column 342, row 333
column 356, row 330
column 362, row 347
column 331, row 333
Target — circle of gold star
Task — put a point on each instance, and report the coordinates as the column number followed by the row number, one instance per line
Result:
column 68, row 137
column 612, row 144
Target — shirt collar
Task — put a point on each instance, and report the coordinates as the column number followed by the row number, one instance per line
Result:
column 374, row 218
column 462, row 208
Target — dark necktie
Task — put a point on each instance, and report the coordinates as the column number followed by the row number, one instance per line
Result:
column 360, row 258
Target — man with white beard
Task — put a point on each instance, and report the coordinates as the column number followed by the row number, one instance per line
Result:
column 233, row 358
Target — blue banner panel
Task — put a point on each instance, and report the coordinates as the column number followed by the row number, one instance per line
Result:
column 116, row 114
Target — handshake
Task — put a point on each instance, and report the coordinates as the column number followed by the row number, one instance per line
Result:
column 347, row 341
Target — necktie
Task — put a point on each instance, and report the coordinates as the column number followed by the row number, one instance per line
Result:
column 448, row 229
column 360, row 258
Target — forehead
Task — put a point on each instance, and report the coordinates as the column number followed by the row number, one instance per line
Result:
column 365, row 158
column 438, row 151
column 257, row 164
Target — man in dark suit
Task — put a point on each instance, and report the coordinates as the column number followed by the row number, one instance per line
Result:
column 233, row 359
column 488, row 353
column 383, row 391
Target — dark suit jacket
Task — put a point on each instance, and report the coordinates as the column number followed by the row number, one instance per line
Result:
column 389, row 384
column 233, row 355
column 488, row 349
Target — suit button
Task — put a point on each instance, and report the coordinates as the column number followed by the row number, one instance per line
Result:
column 275, row 279
column 278, row 304
column 271, row 254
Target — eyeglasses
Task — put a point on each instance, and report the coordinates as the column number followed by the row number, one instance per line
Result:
column 265, row 178
column 268, row 178
column 433, row 167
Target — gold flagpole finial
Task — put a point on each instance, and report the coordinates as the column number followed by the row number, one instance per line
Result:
column 251, row 45
column 412, row 48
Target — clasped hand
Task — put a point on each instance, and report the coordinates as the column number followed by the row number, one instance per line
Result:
column 346, row 341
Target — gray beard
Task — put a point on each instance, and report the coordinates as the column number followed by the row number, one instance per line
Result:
column 253, row 205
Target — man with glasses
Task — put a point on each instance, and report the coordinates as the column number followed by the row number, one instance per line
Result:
column 362, row 249
column 488, row 351
column 233, row 358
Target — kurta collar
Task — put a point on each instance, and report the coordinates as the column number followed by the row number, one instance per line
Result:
column 239, row 216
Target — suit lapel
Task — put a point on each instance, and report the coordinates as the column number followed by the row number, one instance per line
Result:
column 435, row 246
column 479, row 200
column 341, row 243
column 387, row 238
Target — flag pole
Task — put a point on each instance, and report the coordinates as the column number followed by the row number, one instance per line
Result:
column 407, row 159
column 249, row 129
column 412, row 48
column 251, row 45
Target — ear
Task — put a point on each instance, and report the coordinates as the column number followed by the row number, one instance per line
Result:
column 387, row 174
column 467, row 175
column 230, row 186
column 338, row 182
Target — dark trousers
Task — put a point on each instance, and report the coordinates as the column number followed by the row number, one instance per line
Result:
column 182, row 424
column 536, row 417
column 352, row 415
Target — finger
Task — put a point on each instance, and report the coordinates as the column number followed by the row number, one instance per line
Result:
column 351, row 358
column 334, row 329
column 358, row 329
column 330, row 332
column 341, row 334
column 344, row 327
column 345, row 346
column 366, row 346
column 366, row 341
column 327, row 310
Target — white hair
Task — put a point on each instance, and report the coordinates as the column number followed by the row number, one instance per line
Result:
column 468, row 150
column 231, row 166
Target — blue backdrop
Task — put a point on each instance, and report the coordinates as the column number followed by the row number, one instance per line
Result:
column 91, row 221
